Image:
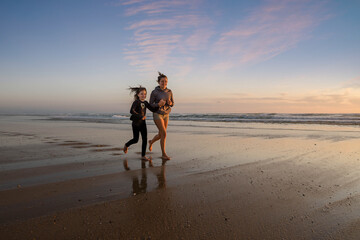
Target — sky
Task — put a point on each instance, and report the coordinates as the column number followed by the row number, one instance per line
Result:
column 258, row 56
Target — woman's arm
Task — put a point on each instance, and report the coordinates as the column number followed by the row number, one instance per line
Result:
column 171, row 103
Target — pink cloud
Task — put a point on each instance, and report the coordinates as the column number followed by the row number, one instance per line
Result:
column 169, row 31
column 156, row 7
column 159, row 39
column 269, row 30
column 183, row 21
column 130, row 2
column 353, row 83
column 199, row 38
column 326, row 100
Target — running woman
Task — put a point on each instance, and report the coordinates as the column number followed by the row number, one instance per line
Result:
column 161, row 116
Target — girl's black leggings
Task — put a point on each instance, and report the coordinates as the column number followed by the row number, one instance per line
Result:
column 139, row 127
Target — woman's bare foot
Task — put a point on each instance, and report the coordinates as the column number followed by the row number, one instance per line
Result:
column 165, row 157
column 125, row 149
column 144, row 158
column 150, row 146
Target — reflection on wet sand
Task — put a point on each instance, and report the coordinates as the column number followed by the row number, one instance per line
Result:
column 140, row 185
column 161, row 176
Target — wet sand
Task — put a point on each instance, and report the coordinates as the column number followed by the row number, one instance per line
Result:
column 71, row 180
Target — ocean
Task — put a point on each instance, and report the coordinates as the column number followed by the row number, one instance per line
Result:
column 327, row 119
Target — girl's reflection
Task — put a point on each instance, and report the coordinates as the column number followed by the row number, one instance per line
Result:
column 141, row 186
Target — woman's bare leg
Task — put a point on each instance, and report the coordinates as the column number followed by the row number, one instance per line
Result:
column 155, row 138
column 151, row 142
column 166, row 121
column 162, row 132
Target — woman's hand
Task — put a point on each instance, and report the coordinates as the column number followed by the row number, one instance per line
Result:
column 144, row 117
column 169, row 102
column 162, row 102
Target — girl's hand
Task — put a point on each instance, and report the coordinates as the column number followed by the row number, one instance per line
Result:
column 144, row 117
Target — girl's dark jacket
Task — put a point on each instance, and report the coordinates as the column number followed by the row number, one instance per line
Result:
column 138, row 110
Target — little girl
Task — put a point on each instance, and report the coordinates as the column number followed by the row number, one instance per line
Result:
column 138, row 116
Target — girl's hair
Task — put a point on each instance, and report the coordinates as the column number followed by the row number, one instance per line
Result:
column 136, row 91
column 161, row 75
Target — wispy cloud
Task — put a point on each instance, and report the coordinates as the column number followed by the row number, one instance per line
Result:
column 165, row 32
column 156, row 7
column 267, row 31
column 353, row 83
column 170, row 31
column 320, row 101
column 130, row 2
column 341, row 99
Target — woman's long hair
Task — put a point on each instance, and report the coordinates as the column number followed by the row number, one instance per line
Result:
column 136, row 91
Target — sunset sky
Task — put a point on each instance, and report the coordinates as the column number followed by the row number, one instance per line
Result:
column 285, row 56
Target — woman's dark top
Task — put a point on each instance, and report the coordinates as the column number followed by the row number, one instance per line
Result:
column 157, row 94
column 138, row 109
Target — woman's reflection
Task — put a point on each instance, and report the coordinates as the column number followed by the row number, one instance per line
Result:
column 161, row 176
column 140, row 186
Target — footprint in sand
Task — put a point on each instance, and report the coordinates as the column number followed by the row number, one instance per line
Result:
column 106, row 149
column 80, row 145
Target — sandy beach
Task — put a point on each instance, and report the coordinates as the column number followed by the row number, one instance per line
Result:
column 71, row 180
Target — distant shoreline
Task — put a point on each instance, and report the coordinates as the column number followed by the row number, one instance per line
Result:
column 277, row 118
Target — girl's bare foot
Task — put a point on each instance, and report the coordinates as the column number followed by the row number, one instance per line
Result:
column 144, row 158
column 125, row 149
column 150, row 146
column 165, row 157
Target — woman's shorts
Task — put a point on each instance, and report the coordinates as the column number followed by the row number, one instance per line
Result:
column 164, row 117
